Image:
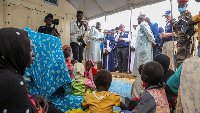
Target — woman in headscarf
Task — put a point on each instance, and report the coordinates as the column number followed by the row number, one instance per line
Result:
column 185, row 83
column 67, row 54
column 15, row 55
column 108, row 52
column 164, row 60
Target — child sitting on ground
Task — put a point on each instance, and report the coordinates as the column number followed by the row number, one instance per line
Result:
column 154, row 99
column 89, row 72
column 102, row 101
column 137, row 87
column 67, row 54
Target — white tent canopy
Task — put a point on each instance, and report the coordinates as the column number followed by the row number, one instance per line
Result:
column 97, row 8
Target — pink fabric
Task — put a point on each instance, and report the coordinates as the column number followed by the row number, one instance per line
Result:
column 68, row 62
column 89, row 77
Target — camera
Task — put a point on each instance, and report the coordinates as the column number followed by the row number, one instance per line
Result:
column 187, row 29
column 80, row 39
column 55, row 21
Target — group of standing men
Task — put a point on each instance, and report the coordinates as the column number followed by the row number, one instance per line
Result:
column 146, row 42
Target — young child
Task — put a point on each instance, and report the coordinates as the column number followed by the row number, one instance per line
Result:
column 137, row 86
column 67, row 54
column 89, row 72
column 154, row 99
column 102, row 101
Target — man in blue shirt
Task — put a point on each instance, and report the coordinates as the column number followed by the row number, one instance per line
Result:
column 155, row 30
column 123, row 43
column 167, row 39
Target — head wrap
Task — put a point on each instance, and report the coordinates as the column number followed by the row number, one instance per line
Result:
column 93, row 63
column 64, row 47
column 14, row 50
column 121, row 25
column 164, row 60
column 142, row 16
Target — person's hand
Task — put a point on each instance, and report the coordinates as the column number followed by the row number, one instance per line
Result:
column 85, row 25
column 106, row 51
column 162, row 35
column 153, row 44
column 53, row 32
column 41, row 102
column 132, row 49
column 120, row 39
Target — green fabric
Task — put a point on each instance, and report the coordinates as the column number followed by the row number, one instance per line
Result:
column 78, row 87
column 174, row 81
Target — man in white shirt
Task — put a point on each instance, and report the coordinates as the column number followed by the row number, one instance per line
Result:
column 133, row 41
column 123, row 42
column 77, row 32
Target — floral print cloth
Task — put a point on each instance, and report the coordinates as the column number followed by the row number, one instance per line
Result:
column 48, row 76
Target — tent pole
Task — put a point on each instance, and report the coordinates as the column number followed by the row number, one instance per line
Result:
column 174, row 60
column 104, row 36
column 129, row 43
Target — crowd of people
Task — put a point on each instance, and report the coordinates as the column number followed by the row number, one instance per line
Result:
column 58, row 74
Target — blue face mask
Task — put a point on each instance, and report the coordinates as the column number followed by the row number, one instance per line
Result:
column 181, row 10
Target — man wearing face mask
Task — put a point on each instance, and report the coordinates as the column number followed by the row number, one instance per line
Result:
column 183, row 45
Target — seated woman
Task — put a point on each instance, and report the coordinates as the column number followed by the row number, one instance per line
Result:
column 48, row 76
column 17, row 54
column 67, row 54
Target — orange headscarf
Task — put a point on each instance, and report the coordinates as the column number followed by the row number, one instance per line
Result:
column 64, row 47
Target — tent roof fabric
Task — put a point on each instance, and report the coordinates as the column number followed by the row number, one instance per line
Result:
column 97, row 8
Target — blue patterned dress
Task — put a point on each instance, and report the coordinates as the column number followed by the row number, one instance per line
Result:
column 48, row 75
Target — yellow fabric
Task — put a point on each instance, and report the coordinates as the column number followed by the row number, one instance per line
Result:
column 81, row 111
column 101, row 106
column 196, row 19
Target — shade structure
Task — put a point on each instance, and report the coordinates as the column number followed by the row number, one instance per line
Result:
column 97, row 8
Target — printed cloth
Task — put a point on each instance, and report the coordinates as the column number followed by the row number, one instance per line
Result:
column 48, row 76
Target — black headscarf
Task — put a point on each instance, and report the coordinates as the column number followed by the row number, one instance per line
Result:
column 164, row 60
column 14, row 49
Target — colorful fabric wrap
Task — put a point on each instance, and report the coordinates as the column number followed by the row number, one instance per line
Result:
column 78, row 88
column 48, row 76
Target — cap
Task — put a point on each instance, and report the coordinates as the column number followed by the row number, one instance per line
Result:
column 49, row 15
column 141, row 16
column 112, row 29
column 109, row 31
column 117, row 28
column 167, row 13
column 121, row 25
column 161, row 30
